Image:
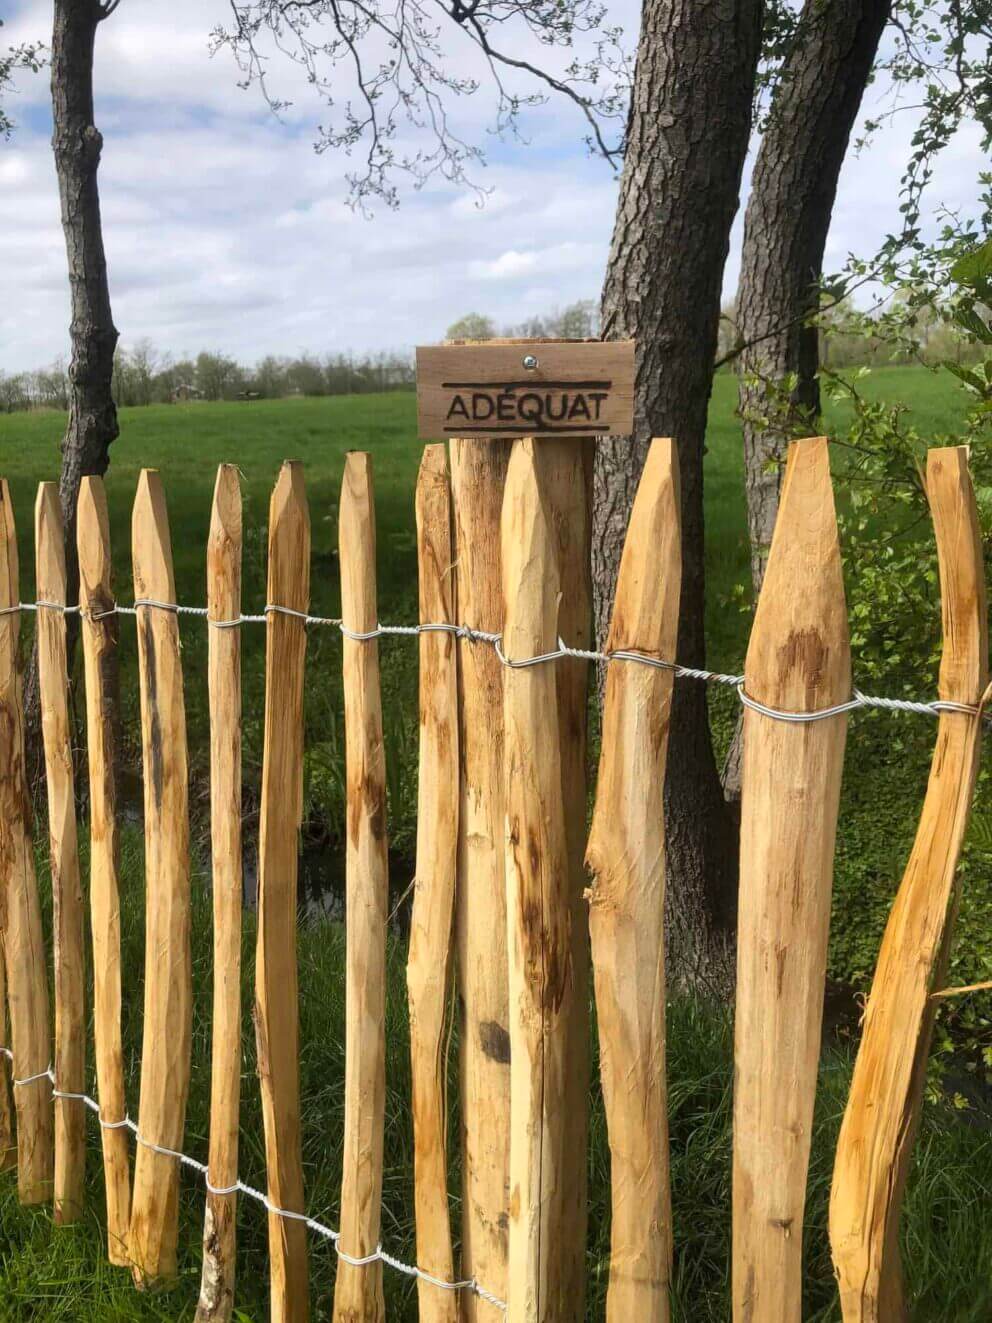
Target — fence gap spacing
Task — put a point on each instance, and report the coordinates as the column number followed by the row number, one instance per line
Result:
column 515, row 904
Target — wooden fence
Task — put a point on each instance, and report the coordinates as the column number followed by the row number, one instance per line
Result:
column 501, row 906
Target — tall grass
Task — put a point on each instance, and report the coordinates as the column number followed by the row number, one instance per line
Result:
column 55, row 1273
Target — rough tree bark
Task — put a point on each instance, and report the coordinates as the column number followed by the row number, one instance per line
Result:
column 77, row 144
column 687, row 137
column 785, row 229
column 92, row 424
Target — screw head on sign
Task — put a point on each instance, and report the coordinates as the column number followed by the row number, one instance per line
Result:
column 530, row 362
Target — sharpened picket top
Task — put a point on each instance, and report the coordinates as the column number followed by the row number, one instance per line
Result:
column 67, row 895
column 277, row 1026
column 20, row 909
column 798, row 660
column 626, row 855
column 537, row 890
column 883, row 1108
column 429, row 966
column 168, row 1004
column 358, row 1294
column 100, row 642
column 216, row 1301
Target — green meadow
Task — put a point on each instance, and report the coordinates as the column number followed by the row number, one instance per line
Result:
column 60, row 1273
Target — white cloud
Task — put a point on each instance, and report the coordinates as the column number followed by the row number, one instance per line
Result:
column 225, row 229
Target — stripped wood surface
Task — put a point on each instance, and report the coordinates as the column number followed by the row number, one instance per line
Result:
column 537, row 884
column 566, row 467
column 20, row 910
column 626, row 855
column 167, row 1023
column 100, row 645
column 216, row 1301
column 478, row 474
column 798, row 660
column 8, row 1140
column 69, row 1061
column 883, row 1108
column 429, row 965
column 358, row 1290
column 277, row 1026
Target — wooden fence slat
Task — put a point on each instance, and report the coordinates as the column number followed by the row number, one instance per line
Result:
column 883, row 1109
column 478, row 474
column 67, row 895
column 798, row 660
column 566, row 466
column 24, row 948
column 8, row 1140
column 358, row 1291
column 167, row 1028
column 430, row 959
column 216, row 1301
column 626, row 855
column 537, row 883
column 277, row 1026
column 100, row 641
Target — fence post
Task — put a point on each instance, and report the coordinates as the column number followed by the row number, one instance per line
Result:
column 429, row 964
column 24, row 949
column 358, row 1290
column 478, row 473
column 216, row 1301
column 883, row 1109
column 566, row 467
column 626, row 855
column 798, row 660
column 100, row 637
column 8, row 1140
column 277, row 1025
column 67, row 896
column 167, row 1028
column 537, row 884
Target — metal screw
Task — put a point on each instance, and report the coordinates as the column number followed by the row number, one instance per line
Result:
column 530, row 362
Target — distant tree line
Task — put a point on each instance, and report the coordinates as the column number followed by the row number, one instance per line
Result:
column 142, row 375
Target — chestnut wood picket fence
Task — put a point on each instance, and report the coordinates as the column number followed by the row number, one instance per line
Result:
column 503, row 906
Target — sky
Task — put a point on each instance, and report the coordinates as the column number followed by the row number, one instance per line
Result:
column 225, row 230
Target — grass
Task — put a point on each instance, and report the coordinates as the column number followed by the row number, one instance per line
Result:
column 48, row 1273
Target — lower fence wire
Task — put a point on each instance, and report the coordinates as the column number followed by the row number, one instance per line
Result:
column 736, row 682
column 240, row 1187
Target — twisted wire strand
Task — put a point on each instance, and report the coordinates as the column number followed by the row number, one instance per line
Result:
column 858, row 699
column 242, row 1187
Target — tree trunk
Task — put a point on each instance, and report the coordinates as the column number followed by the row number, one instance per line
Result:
column 687, row 137
column 788, row 215
column 92, row 424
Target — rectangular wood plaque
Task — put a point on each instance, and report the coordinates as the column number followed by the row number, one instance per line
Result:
column 528, row 388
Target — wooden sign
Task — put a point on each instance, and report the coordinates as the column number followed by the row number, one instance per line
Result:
column 526, row 388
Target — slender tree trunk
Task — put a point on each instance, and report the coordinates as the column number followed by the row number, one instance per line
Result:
column 687, row 137
column 77, row 144
column 788, row 215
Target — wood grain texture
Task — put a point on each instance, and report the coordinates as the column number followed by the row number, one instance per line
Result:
column 20, row 911
column 626, row 855
column 575, row 383
column 798, row 660
column 478, row 474
column 882, row 1115
column 67, row 895
column 167, row 1025
column 277, row 1026
column 429, row 966
column 537, row 886
column 100, row 645
column 358, row 1291
column 8, row 1140
column 216, row 1300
